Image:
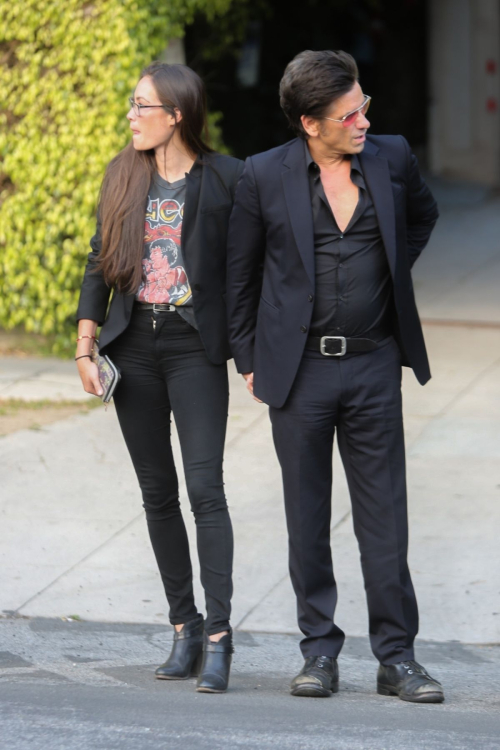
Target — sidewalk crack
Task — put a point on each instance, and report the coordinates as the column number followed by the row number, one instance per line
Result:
column 283, row 578
column 79, row 562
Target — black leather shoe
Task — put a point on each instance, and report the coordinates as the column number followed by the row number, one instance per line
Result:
column 410, row 681
column 217, row 657
column 185, row 658
column 317, row 679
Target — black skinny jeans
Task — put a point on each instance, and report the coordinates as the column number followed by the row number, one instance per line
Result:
column 165, row 369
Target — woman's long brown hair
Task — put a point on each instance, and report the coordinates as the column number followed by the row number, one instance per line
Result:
column 125, row 187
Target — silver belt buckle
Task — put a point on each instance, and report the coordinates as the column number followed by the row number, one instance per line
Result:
column 162, row 307
column 343, row 346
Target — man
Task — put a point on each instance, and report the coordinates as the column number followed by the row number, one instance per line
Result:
column 322, row 314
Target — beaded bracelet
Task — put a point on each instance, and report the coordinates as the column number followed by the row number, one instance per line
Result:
column 85, row 337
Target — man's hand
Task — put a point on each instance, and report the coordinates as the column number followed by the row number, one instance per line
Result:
column 249, row 381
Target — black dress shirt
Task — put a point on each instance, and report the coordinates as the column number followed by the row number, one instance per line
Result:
column 353, row 280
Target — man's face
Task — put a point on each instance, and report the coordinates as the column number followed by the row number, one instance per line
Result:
column 338, row 137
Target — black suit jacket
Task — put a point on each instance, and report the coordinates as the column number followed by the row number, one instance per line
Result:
column 271, row 275
column 210, row 188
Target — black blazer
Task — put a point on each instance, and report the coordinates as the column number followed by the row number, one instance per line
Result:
column 210, row 188
column 271, row 276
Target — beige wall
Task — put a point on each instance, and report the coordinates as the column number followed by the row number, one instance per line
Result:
column 174, row 52
column 464, row 137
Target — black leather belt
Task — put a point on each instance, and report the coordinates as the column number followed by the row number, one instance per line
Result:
column 155, row 306
column 338, row 346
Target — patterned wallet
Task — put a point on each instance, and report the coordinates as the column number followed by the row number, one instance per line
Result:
column 109, row 374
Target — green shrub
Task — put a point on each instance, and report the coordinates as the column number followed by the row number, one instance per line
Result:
column 66, row 70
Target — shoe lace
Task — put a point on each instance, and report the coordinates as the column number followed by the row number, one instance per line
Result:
column 414, row 667
column 321, row 661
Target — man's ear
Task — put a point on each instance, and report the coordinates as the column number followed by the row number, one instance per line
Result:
column 311, row 125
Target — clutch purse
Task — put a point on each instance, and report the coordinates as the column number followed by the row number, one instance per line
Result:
column 109, row 374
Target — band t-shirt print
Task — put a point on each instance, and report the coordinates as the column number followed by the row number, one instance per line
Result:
column 164, row 275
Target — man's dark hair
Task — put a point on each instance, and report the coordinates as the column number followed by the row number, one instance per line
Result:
column 312, row 82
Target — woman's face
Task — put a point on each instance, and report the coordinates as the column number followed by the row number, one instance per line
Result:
column 153, row 127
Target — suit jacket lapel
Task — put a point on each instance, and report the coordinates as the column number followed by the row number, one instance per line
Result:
column 298, row 201
column 194, row 180
column 378, row 182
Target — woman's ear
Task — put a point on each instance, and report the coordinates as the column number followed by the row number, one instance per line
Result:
column 178, row 115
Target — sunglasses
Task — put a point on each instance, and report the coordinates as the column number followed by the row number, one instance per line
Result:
column 351, row 117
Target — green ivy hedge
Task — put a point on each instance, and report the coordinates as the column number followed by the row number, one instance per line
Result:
column 66, row 70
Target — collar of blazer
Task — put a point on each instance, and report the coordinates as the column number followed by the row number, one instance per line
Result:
column 194, row 179
column 296, row 188
column 206, row 182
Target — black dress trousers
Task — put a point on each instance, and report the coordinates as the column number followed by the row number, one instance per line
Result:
column 360, row 396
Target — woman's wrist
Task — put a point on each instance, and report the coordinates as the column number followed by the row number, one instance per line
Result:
column 84, row 345
column 83, row 349
column 84, row 337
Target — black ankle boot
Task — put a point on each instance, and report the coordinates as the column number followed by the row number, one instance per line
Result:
column 185, row 658
column 217, row 657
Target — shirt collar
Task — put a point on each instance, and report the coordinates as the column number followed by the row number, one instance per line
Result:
column 311, row 165
column 313, row 168
column 355, row 164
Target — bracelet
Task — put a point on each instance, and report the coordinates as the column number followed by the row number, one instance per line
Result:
column 83, row 356
column 85, row 337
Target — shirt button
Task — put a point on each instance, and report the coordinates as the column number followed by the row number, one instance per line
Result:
column 341, row 236
column 303, row 329
column 310, row 298
column 341, row 265
column 342, row 299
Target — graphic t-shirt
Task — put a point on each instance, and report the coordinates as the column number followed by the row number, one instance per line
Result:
column 164, row 275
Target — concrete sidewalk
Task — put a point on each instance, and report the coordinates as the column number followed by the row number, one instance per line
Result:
column 74, row 540
column 69, row 492
column 33, row 379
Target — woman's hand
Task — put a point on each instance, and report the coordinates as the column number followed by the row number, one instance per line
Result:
column 86, row 368
column 89, row 375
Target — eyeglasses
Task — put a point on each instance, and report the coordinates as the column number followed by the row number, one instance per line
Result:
column 137, row 107
column 350, row 117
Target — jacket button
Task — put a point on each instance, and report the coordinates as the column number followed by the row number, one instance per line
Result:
column 310, row 298
column 196, row 287
column 303, row 329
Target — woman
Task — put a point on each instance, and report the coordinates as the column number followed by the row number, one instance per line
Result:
column 160, row 245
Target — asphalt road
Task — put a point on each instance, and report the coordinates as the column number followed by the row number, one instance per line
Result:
column 91, row 686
